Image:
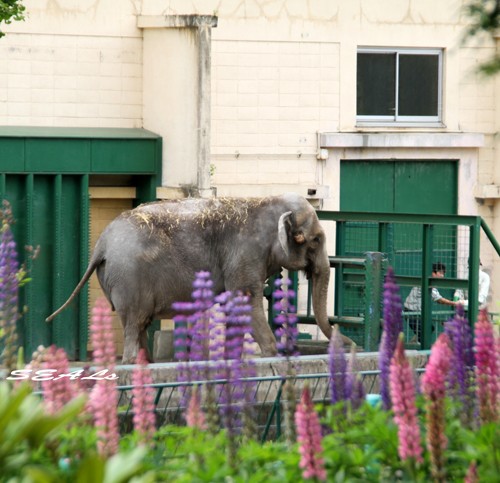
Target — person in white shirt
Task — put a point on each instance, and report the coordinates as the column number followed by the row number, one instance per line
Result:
column 482, row 290
column 413, row 302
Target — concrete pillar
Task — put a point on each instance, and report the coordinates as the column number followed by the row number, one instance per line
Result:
column 176, row 97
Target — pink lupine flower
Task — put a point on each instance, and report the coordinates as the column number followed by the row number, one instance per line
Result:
column 487, row 371
column 143, row 398
column 101, row 328
column 434, row 389
column 195, row 417
column 309, row 438
column 472, row 476
column 402, row 391
column 103, row 404
column 57, row 391
column 103, row 400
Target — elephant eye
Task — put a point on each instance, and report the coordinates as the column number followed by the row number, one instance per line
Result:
column 317, row 239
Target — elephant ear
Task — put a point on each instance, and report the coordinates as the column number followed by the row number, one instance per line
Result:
column 284, row 223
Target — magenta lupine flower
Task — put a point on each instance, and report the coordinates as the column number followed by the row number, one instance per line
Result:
column 461, row 377
column 487, row 371
column 195, row 417
column 434, row 389
column 392, row 327
column 286, row 318
column 337, row 364
column 101, row 329
column 103, row 399
column 143, row 398
column 103, row 403
column 309, row 438
column 472, row 476
column 9, row 290
column 60, row 390
column 402, row 390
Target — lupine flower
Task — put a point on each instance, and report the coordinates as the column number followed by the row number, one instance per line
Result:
column 434, row 389
column 192, row 333
column 103, row 403
column 286, row 335
column 58, row 391
column 101, row 328
column 472, row 476
column 286, row 318
column 309, row 438
column 403, row 404
column 392, row 327
column 337, row 363
column 354, row 384
column 195, row 417
column 143, row 398
column 461, row 375
column 9, row 288
column 487, row 371
column 235, row 392
column 103, row 399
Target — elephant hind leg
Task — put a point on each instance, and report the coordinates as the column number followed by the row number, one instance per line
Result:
column 135, row 336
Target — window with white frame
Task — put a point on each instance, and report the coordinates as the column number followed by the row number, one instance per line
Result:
column 399, row 86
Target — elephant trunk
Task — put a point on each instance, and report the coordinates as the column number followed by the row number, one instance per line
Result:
column 320, row 280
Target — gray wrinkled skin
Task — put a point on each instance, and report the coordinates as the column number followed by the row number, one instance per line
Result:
column 147, row 258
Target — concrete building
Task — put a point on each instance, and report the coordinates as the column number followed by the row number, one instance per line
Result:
column 255, row 97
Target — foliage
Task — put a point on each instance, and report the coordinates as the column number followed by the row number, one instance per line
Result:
column 484, row 18
column 11, row 10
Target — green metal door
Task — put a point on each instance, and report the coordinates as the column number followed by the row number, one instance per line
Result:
column 45, row 174
column 414, row 186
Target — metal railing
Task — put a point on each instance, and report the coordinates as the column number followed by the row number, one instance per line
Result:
column 411, row 244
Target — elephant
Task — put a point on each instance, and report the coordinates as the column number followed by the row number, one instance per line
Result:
column 147, row 257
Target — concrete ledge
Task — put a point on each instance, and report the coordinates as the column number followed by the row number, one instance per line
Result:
column 401, row 140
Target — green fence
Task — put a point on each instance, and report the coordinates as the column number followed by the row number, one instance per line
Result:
column 411, row 244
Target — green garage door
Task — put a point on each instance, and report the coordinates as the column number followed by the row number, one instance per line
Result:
column 45, row 175
column 414, row 186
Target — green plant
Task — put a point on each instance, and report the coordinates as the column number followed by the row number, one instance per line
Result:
column 11, row 10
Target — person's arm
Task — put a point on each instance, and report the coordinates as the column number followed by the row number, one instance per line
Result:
column 437, row 297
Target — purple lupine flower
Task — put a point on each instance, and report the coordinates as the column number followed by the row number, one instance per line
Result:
column 286, row 318
column 287, row 335
column 392, row 327
column 9, row 289
column 192, row 333
column 58, row 391
column 143, row 399
column 103, row 399
column 461, row 375
column 309, row 438
column 487, row 370
column 434, row 389
column 404, row 406
column 337, row 364
column 235, row 392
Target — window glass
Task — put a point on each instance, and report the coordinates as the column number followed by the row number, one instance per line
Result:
column 418, row 85
column 376, row 84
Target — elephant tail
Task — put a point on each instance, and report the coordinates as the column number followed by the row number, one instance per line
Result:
column 94, row 263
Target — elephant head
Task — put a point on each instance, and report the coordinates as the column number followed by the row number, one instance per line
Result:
column 303, row 242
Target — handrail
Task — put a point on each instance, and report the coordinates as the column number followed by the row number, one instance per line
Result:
column 490, row 236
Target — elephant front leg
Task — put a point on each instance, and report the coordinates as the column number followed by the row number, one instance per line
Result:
column 262, row 333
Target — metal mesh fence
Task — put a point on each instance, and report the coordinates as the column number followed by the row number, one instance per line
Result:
column 267, row 399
